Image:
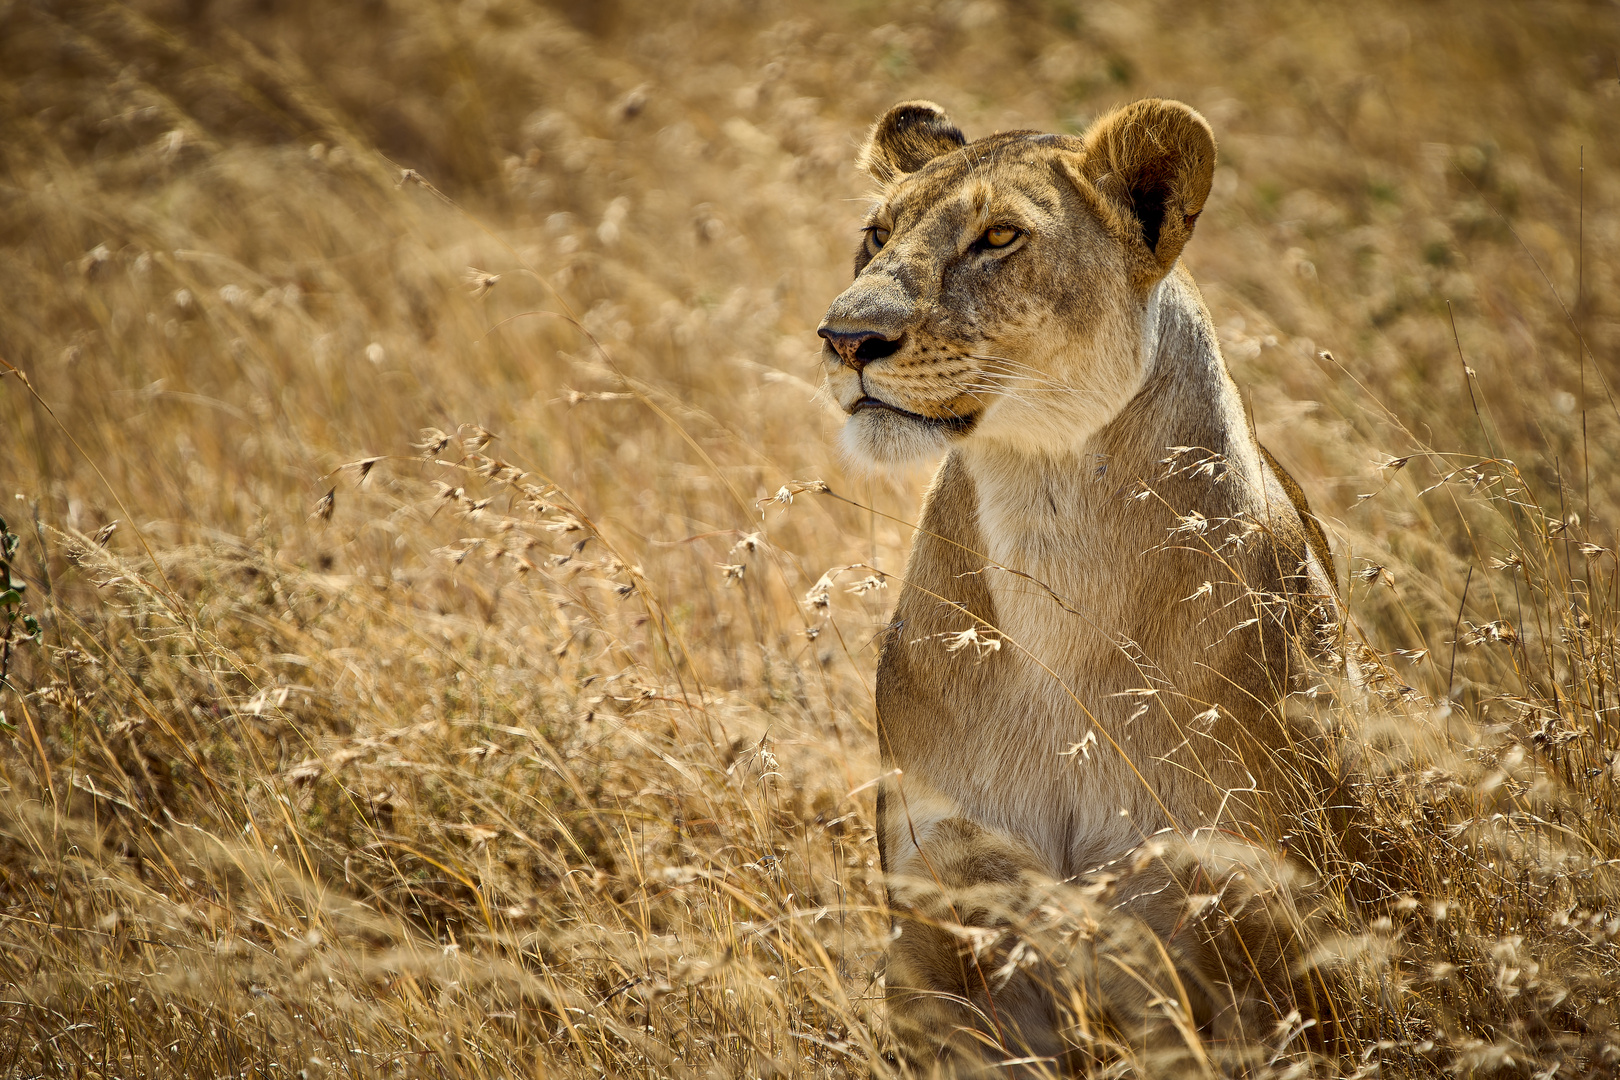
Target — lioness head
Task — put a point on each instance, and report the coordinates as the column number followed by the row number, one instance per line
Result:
column 1001, row 286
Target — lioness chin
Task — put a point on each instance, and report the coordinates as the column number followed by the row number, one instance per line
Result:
column 1085, row 815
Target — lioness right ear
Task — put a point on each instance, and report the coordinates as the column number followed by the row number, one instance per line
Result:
column 907, row 137
column 1156, row 160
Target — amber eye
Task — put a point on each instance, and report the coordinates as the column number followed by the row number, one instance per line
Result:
column 879, row 235
column 1000, row 236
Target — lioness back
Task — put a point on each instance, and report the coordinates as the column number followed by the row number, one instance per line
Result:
column 1108, row 590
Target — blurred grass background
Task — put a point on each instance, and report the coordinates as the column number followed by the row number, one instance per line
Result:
column 445, row 701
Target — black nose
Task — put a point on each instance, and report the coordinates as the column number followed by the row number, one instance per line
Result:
column 860, row 347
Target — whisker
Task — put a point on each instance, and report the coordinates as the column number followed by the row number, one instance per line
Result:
column 1005, row 360
column 1017, row 370
column 1009, row 381
column 1003, row 379
column 1034, row 390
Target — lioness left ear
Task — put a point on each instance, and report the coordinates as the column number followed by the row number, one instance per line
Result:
column 907, row 137
column 1155, row 159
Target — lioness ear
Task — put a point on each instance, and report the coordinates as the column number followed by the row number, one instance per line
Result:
column 1156, row 160
column 907, row 137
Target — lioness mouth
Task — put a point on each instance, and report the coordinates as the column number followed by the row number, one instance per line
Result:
column 956, row 424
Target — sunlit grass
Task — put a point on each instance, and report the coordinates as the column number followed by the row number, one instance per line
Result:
column 459, row 691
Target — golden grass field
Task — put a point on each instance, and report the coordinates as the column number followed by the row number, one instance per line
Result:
column 408, row 426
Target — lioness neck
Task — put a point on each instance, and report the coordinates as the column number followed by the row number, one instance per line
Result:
column 1042, row 508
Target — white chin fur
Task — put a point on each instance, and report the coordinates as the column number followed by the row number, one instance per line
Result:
column 876, row 440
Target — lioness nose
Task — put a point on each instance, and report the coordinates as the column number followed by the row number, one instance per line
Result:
column 857, row 348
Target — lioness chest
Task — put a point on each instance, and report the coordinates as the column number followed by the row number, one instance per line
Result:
column 1079, row 714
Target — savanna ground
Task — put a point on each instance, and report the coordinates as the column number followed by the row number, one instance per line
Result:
column 435, row 673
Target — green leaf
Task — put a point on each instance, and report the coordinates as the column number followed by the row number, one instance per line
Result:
column 11, row 596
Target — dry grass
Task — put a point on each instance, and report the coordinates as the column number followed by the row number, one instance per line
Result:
column 447, row 701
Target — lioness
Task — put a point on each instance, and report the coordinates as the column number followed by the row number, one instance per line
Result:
column 1102, row 613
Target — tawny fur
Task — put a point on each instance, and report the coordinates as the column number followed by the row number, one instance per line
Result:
column 1107, row 739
